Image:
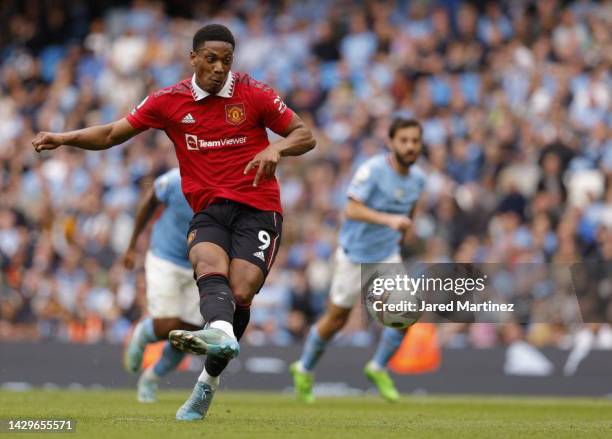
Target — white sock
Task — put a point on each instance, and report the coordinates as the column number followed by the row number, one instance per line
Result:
column 374, row 365
column 150, row 374
column 211, row 381
column 223, row 326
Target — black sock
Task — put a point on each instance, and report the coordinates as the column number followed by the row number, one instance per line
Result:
column 216, row 298
column 242, row 315
column 215, row 365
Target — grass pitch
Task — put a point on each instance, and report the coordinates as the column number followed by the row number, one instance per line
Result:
column 117, row 414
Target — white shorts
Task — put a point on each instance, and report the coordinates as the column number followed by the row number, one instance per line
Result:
column 171, row 291
column 346, row 282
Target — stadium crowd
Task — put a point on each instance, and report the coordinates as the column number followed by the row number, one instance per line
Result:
column 515, row 98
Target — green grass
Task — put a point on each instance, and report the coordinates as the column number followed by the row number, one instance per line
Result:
column 116, row 414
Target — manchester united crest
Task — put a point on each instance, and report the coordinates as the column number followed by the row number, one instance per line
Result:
column 235, row 114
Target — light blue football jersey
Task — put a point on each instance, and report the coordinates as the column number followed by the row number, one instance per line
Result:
column 377, row 185
column 169, row 236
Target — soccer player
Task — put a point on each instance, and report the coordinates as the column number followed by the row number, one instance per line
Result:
column 381, row 197
column 217, row 120
column 172, row 295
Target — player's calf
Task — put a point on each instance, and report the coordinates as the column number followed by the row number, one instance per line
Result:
column 319, row 335
column 142, row 335
column 332, row 321
column 216, row 299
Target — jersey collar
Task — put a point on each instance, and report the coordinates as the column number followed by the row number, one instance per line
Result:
column 226, row 92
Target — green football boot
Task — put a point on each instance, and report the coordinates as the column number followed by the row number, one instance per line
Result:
column 383, row 382
column 303, row 383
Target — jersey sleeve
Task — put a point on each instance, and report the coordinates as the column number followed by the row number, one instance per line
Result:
column 363, row 183
column 162, row 187
column 147, row 114
column 274, row 113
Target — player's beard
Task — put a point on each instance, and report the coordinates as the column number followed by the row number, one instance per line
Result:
column 402, row 161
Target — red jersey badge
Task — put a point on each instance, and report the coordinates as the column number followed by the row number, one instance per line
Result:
column 235, row 114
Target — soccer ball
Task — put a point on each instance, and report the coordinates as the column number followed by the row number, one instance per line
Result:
column 392, row 307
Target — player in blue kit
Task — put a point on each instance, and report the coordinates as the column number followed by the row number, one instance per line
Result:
column 381, row 197
column 172, row 294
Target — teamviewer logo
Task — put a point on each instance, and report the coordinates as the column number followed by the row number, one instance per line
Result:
column 192, row 142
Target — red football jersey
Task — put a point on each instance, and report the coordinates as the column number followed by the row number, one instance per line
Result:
column 215, row 136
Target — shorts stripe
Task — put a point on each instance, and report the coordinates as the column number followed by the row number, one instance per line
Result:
column 272, row 252
column 273, row 245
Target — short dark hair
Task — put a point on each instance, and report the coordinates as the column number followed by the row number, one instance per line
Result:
column 400, row 122
column 213, row 32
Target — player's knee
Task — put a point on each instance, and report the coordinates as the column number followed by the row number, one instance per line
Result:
column 199, row 268
column 206, row 260
column 243, row 291
column 245, row 284
column 329, row 325
column 336, row 321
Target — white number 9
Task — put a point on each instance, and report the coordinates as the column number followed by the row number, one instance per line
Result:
column 264, row 237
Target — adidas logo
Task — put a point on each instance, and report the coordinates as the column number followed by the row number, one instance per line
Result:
column 188, row 119
column 260, row 255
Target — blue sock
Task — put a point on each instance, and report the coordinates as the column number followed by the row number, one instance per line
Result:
column 390, row 340
column 313, row 349
column 170, row 359
column 145, row 333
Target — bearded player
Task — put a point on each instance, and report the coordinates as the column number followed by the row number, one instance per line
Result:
column 172, row 294
column 381, row 195
column 217, row 121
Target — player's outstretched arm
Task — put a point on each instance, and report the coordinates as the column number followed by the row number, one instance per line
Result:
column 94, row 138
column 144, row 212
column 298, row 140
column 358, row 211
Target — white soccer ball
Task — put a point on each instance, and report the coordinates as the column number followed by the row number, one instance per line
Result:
column 393, row 307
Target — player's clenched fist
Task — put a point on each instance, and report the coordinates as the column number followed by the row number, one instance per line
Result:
column 44, row 140
column 266, row 162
